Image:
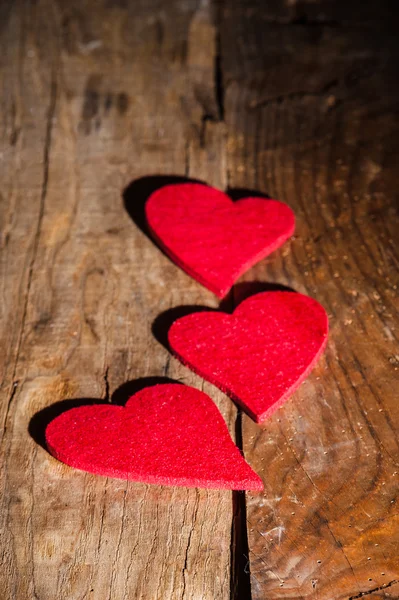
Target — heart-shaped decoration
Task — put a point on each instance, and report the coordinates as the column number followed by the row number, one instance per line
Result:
column 212, row 238
column 168, row 434
column 258, row 355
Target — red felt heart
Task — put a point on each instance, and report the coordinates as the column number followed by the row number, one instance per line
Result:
column 258, row 355
column 168, row 434
column 211, row 237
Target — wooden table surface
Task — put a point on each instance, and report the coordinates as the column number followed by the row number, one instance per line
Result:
column 102, row 102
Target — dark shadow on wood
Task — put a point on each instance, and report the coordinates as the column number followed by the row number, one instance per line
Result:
column 242, row 291
column 239, row 292
column 227, row 303
column 239, row 193
column 39, row 421
column 125, row 391
column 240, row 583
column 136, row 194
column 164, row 321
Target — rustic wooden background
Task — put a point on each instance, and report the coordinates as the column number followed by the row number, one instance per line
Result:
column 102, row 101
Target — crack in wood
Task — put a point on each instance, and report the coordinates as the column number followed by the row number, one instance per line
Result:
column 106, row 385
column 43, row 195
column 46, row 163
column 188, row 546
column 377, row 589
column 240, row 572
column 167, row 364
column 10, row 399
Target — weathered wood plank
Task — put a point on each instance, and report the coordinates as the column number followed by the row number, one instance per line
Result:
column 105, row 93
column 310, row 119
column 97, row 95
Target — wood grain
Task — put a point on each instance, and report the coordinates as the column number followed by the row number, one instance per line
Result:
column 96, row 97
column 100, row 101
column 310, row 114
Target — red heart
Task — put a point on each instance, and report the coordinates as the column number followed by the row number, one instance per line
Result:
column 168, row 434
column 212, row 238
column 258, row 355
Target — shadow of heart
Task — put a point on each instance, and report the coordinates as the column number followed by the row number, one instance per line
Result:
column 40, row 420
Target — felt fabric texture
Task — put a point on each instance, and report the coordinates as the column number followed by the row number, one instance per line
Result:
column 258, row 355
column 212, row 238
column 167, row 434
